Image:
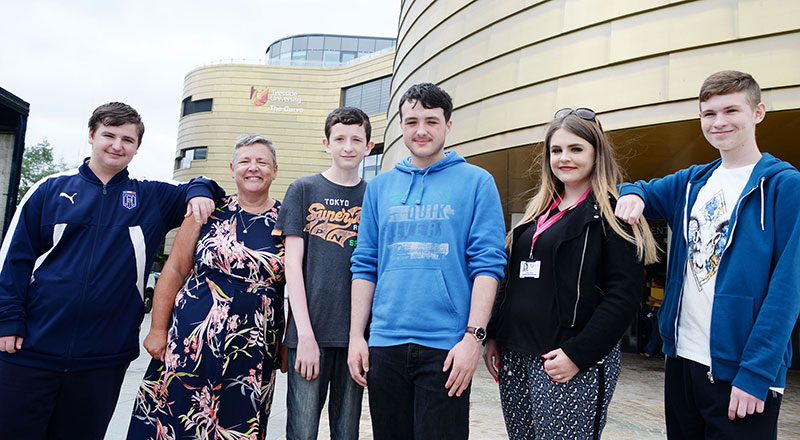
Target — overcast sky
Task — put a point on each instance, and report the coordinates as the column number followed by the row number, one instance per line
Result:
column 67, row 57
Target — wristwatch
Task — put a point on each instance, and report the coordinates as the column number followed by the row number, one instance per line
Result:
column 478, row 332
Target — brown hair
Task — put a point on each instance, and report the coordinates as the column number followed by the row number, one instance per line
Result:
column 348, row 116
column 115, row 114
column 731, row 81
column 605, row 177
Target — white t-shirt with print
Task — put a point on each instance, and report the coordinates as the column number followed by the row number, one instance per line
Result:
column 708, row 234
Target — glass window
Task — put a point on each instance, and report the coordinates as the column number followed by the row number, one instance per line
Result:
column 184, row 160
column 366, row 45
column 372, row 97
column 298, row 55
column 352, row 97
column 330, row 58
column 300, row 43
column 333, row 43
column 371, row 165
column 202, row 105
column 350, row 44
column 383, row 44
column 314, row 57
column 200, row 153
column 348, row 56
column 386, row 93
column 315, row 43
column 286, row 46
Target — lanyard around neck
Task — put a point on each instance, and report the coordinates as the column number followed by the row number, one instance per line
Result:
column 545, row 220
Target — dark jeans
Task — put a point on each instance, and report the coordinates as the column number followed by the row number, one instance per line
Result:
column 698, row 409
column 41, row 404
column 305, row 398
column 407, row 397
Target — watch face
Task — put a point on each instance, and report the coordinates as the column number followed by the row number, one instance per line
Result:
column 480, row 333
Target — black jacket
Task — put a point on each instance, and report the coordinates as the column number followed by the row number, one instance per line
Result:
column 598, row 282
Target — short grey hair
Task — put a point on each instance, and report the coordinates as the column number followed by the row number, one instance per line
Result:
column 250, row 139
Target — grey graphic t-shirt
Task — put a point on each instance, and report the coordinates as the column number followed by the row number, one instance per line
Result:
column 326, row 215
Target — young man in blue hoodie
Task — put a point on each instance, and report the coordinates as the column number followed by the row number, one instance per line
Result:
column 72, row 271
column 732, row 294
column 430, row 253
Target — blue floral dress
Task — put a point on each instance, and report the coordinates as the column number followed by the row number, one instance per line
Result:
column 218, row 378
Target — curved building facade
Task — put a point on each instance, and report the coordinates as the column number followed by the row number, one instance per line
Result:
column 288, row 100
column 638, row 63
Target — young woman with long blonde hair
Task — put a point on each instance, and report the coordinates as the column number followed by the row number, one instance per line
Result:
column 572, row 286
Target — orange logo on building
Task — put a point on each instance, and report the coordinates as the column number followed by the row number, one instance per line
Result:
column 259, row 97
column 335, row 226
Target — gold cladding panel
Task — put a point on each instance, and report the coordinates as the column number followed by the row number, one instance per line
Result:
column 625, row 58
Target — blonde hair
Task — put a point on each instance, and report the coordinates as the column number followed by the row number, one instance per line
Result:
column 605, row 177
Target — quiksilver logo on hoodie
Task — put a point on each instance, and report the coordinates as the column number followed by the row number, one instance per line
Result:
column 433, row 211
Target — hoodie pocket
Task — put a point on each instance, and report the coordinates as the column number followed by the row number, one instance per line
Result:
column 413, row 301
column 732, row 326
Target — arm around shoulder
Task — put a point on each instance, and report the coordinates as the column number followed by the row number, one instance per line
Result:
column 661, row 196
column 178, row 266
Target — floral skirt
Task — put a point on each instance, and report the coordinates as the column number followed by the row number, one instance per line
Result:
column 217, row 379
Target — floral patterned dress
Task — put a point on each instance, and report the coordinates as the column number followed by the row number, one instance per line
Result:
column 217, row 379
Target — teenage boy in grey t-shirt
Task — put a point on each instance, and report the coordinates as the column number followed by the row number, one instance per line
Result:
column 319, row 219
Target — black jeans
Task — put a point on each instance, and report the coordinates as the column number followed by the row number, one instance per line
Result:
column 698, row 409
column 40, row 404
column 407, row 397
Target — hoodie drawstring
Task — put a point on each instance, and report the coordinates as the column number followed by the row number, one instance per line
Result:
column 422, row 186
column 408, row 191
column 411, row 184
column 761, row 185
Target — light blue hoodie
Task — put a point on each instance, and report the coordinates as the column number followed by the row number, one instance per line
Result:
column 425, row 234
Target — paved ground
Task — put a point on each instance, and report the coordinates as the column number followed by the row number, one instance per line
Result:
column 635, row 413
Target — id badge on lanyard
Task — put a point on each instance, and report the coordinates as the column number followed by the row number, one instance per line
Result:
column 529, row 268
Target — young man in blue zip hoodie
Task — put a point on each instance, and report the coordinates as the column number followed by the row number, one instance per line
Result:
column 72, row 271
column 430, row 253
column 733, row 294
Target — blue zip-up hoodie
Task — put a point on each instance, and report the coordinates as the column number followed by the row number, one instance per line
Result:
column 74, row 264
column 757, row 292
column 425, row 234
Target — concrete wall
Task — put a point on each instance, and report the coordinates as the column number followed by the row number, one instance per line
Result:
column 6, row 158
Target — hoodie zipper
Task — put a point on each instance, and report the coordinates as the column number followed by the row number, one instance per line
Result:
column 580, row 271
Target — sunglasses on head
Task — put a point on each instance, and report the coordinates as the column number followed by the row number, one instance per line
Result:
column 583, row 113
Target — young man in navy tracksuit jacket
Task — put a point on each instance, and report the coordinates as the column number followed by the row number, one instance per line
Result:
column 733, row 294
column 73, row 267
